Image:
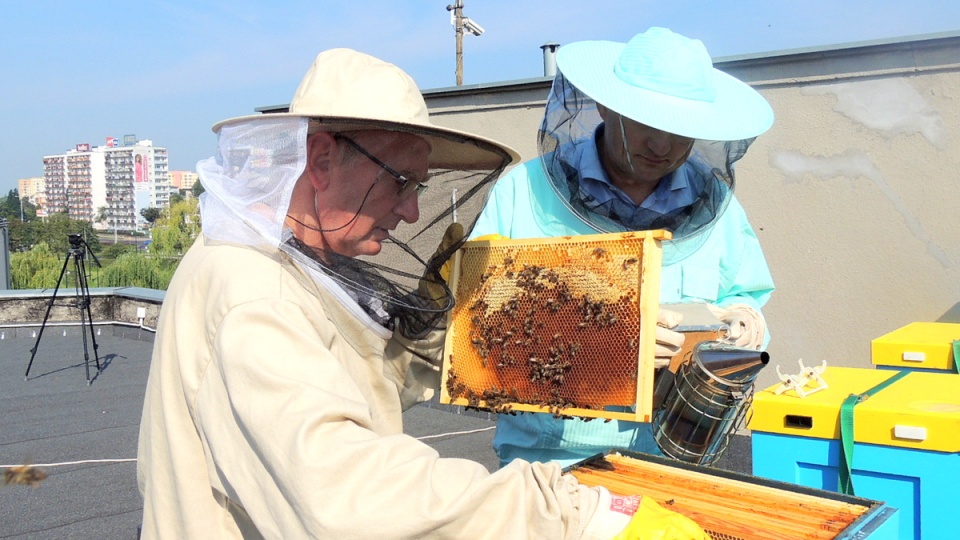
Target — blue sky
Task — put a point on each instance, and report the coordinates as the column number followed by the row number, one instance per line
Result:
column 78, row 72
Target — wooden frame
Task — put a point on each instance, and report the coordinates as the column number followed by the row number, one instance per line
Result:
column 649, row 255
column 733, row 506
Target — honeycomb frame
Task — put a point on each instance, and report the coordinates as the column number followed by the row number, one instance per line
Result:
column 561, row 325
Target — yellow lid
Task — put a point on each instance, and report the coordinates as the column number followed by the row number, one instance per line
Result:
column 818, row 414
column 927, row 345
column 922, row 411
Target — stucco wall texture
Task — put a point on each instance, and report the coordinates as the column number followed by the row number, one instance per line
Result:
column 854, row 192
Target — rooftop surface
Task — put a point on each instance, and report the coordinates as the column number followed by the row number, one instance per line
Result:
column 85, row 436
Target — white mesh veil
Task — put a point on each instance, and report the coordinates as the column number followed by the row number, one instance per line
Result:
column 247, row 185
column 248, row 188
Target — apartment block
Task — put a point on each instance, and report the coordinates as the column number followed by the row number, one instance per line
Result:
column 108, row 185
column 183, row 180
column 33, row 190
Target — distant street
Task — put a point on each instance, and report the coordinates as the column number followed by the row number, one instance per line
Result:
column 107, row 238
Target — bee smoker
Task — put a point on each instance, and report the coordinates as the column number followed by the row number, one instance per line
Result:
column 707, row 402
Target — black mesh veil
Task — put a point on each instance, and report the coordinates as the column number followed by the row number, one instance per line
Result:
column 572, row 119
column 403, row 283
column 401, row 286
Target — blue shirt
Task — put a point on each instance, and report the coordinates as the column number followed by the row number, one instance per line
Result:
column 675, row 190
column 726, row 267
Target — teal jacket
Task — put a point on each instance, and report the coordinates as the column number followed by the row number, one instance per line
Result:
column 727, row 267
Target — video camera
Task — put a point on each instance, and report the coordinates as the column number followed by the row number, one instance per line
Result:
column 80, row 248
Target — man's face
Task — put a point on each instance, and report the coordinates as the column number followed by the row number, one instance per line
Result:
column 360, row 202
column 638, row 153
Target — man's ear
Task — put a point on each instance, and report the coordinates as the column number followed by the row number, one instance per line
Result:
column 321, row 154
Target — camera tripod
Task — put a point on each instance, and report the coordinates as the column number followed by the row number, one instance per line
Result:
column 76, row 253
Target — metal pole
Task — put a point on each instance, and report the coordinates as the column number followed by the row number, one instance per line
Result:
column 458, row 13
column 5, row 271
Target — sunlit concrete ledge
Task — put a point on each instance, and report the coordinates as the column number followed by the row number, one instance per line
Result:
column 24, row 310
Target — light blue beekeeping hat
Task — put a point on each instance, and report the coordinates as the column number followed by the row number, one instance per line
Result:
column 666, row 81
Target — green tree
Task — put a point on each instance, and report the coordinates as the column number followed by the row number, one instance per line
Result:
column 151, row 214
column 114, row 251
column 10, row 206
column 102, row 215
column 197, row 189
column 38, row 268
column 57, row 229
column 135, row 270
column 176, row 198
column 175, row 232
column 11, row 210
column 21, row 235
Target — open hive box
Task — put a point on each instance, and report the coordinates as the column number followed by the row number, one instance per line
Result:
column 562, row 325
column 732, row 506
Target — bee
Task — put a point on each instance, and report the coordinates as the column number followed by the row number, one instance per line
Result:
column 599, row 252
column 24, row 475
column 507, row 261
column 628, row 262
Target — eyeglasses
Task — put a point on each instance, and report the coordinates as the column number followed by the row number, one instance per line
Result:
column 407, row 186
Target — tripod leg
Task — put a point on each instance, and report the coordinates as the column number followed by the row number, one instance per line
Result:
column 93, row 338
column 86, row 317
column 33, row 351
column 77, row 263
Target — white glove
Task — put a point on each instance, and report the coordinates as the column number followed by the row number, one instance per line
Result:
column 747, row 326
column 669, row 342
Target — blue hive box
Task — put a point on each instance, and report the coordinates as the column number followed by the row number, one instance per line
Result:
column 906, row 443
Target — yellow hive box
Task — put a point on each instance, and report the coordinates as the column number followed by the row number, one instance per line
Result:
column 920, row 411
column 818, row 414
column 562, row 325
column 923, row 345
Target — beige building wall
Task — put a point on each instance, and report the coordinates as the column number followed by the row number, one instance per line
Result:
column 29, row 188
column 854, row 192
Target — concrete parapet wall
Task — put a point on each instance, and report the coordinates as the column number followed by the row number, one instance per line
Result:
column 28, row 307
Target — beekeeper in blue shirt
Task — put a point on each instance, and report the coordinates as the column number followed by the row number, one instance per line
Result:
column 640, row 136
